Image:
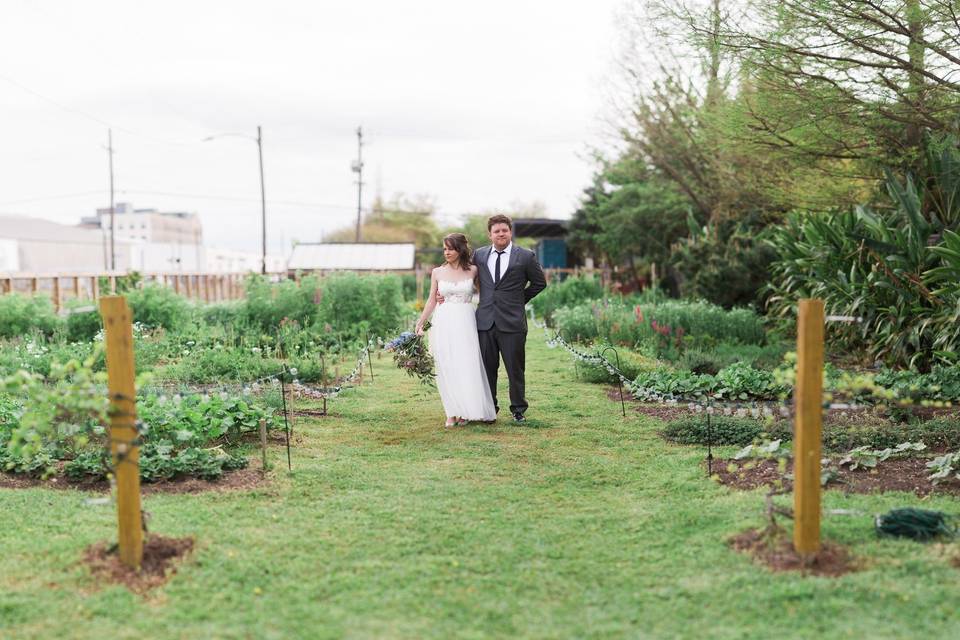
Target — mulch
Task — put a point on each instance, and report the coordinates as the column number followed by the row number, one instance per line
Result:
column 160, row 555
column 241, row 479
column 775, row 550
column 898, row 474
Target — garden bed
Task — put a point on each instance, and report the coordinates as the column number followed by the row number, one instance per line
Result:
column 904, row 474
column 238, row 480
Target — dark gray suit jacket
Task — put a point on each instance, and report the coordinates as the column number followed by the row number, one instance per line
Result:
column 503, row 305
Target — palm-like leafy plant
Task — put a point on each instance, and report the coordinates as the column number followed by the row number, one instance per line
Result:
column 898, row 268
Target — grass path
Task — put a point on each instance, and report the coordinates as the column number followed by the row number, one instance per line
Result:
column 577, row 524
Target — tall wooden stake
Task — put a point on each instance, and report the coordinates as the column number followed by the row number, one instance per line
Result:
column 808, row 398
column 118, row 332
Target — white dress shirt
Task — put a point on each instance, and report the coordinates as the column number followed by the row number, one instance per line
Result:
column 504, row 261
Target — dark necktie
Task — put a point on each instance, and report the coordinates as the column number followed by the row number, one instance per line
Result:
column 496, row 269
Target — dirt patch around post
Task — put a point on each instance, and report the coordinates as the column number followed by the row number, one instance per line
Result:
column 160, row 557
column 904, row 474
column 774, row 550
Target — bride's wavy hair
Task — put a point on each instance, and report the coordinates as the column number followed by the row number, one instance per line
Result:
column 458, row 242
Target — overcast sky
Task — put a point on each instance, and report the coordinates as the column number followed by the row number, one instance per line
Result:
column 477, row 104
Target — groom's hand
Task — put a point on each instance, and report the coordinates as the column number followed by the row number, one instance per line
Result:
column 439, row 298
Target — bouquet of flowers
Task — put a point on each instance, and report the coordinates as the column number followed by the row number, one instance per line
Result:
column 411, row 354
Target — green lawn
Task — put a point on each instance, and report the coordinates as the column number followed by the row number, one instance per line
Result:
column 577, row 524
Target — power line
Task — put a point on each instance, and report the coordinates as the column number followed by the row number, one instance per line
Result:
column 89, row 116
column 293, row 203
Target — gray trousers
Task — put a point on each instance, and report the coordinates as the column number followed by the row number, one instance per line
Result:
column 512, row 346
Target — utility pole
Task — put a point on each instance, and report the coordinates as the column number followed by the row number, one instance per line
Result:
column 113, row 252
column 358, row 169
column 263, row 204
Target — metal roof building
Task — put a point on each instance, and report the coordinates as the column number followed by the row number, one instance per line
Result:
column 352, row 256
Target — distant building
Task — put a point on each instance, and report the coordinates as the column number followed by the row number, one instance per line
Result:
column 37, row 246
column 149, row 225
column 551, row 248
column 32, row 245
column 352, row 256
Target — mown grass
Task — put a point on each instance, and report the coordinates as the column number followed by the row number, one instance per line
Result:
column 579, row 524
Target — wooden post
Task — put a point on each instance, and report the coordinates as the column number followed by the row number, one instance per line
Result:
column 95, row 287
column 808, row 400
column 76, row 287
column 113, row 285
column 34, row 286
column 118, row 333
column 56, row 294
column 176, row 284
column 189, row 286
column 419, row 285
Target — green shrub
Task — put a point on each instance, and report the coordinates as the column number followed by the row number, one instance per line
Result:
column 896, row 266
column 21, row 314
column 268, row 304
column 631, row 365
column 674, row 324
column 569, row 292
column 722, row 430
column 211, row 365
column 355, row 305
column 83, row 326
column 840, row 434
column 223, row 314
column 157, row 306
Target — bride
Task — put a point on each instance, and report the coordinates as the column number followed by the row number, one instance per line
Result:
column 464, row 389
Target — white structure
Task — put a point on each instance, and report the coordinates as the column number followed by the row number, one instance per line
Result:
column 149, row 225
column 352, row 256
column 32, row 245
column 35, row 246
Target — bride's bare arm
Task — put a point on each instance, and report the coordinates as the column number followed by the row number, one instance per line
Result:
column 430, row 304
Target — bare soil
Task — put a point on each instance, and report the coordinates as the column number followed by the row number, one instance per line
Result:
column 241, row 479
column 902, row 474
column 775, row 550
column 160, row 555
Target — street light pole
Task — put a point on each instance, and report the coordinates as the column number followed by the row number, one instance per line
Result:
column 263, row 193
column 358, row 169
column 113, row 227
column 263, row 204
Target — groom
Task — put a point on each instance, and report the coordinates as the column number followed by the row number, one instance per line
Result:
column 509, row 277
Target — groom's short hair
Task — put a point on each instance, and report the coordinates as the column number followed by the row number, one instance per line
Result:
column 499, row 219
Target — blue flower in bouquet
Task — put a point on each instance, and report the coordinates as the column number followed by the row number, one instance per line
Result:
column 411, row 354
column 399, row 341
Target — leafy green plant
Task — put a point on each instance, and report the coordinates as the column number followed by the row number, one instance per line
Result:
column 894, row 267
column 771, row 449
column 157, row 306
column 722, row 430
column 569, row 292
column 865, row 457
column 945, row 467
column 21, row 314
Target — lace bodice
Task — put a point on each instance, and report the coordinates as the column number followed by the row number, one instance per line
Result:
column 460, row 291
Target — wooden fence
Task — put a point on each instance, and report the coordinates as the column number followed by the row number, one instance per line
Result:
column 208, row 287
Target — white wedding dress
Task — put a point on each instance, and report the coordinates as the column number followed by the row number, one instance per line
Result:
column 461, row 378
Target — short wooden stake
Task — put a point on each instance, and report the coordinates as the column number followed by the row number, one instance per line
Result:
column 263, row 445
column 118, row 334
column 808, row 400
column 57, row 296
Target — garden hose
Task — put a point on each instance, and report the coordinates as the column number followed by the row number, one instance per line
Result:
column 918, row 524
